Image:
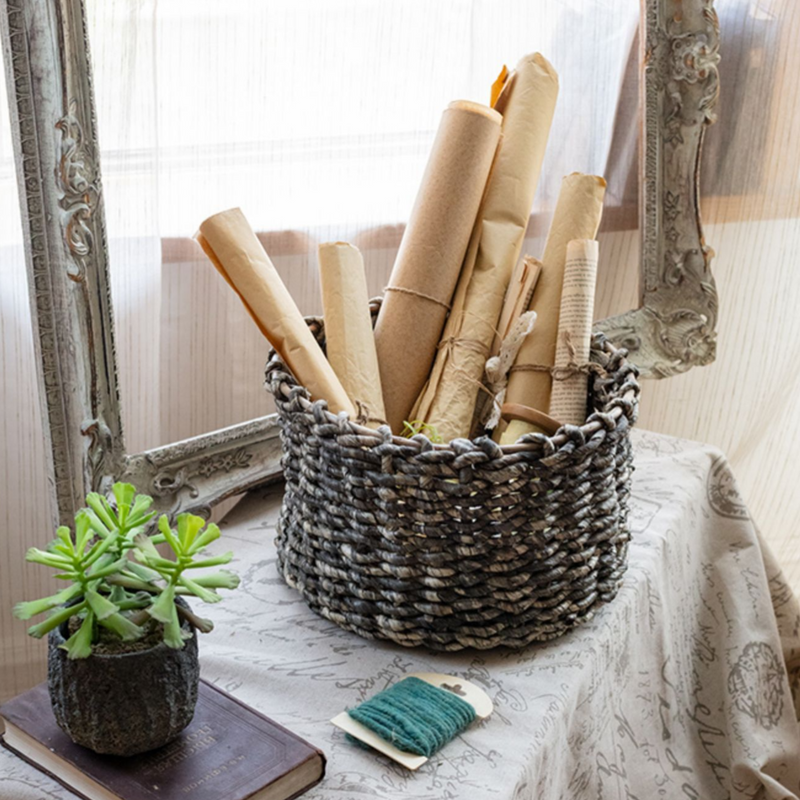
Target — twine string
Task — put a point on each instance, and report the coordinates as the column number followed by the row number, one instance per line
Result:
column 566, row 371
column 465, row 312
column 476, row 346
column 415, row 716
column 363, row 415
column 451, row 342
column 420, row 295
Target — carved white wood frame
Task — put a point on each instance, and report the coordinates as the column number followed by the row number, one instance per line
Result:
column 46, row 52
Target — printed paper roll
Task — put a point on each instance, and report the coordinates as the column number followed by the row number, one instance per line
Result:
column 431, row 253
column 350, row 343
column 527, row 103
column 233, row 248
column 577, row 216
column 568, row 396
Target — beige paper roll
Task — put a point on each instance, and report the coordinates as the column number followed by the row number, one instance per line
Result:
column 350, row 343
column 431, row 253
column 518, row 298
column 515, row 304
column 568, row 396
column 527, row 104
column 233, row 248
column 577, row 216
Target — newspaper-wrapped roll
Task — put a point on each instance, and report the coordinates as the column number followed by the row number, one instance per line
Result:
column 233, row 248
column 569, row 392
column 431, row 253
column 577, row 216
column 348, row 329
column 527, row 103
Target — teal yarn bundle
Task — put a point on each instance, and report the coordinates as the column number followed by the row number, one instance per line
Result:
column 415, row 716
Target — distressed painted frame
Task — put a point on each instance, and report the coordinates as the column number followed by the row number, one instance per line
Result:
column 674, row 329
column 46, row 52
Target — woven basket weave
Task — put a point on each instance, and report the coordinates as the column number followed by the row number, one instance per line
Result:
column 468, row 544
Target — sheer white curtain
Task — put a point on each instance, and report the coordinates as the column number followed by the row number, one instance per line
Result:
column 316, row 118
column 24, row 486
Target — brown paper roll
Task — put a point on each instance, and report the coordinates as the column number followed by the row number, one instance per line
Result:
column 348, row 328
column 431, row 253
column 527, row 103
column 233, row 248
column 577, row 216
column 518, row 298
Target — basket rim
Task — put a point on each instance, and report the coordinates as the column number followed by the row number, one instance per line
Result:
column 595, row 422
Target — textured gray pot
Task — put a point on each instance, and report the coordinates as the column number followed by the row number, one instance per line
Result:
column 126, row 703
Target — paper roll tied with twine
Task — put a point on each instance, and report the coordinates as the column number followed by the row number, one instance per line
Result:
column 570, row 390
column 235, row 251
column 527, row 103
column 577, row 216
column 349, row 342
column 431, row 253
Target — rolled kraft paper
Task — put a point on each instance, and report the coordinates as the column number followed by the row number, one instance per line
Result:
column 569, row 393
column 233, row 248
column 350, row 343
column 527, row 103
column 431, row 253
column 577, row 216
column 515, row 304
column 518, row 298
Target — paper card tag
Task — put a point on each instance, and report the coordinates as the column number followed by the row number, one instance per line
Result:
column 475, row 696
column 467, row 691
column 362, row 733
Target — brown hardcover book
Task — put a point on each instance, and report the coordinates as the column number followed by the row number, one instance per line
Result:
column 228, row 752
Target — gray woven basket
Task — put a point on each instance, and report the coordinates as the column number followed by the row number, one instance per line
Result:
column 468, row 544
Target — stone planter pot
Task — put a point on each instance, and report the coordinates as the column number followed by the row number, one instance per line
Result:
column 125, row 703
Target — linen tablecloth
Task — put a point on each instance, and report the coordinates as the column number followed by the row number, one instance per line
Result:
column 680, row 688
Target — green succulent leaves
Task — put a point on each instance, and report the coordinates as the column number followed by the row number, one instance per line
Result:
column 185, row 543
column 109, row 589
column 128, row 518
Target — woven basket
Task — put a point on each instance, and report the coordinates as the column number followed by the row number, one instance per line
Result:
column 468, row 544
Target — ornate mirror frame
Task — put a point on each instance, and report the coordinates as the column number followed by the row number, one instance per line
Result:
column 674, row 329
column 46, row 52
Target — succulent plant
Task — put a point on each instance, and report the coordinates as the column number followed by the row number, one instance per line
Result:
column 118, row 580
